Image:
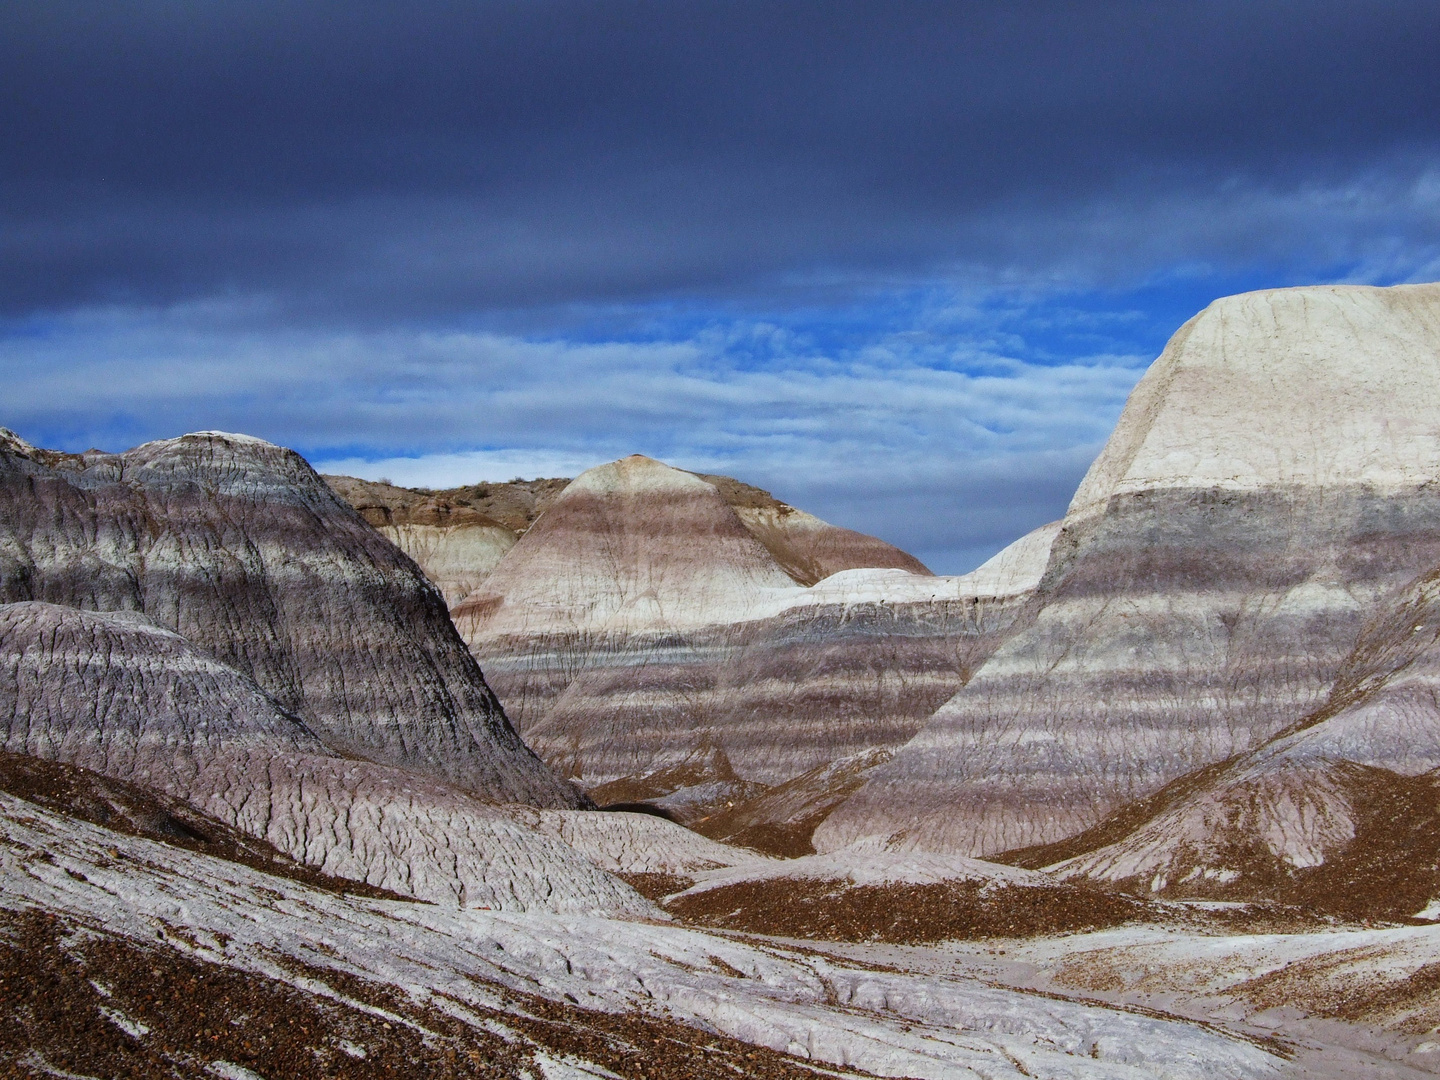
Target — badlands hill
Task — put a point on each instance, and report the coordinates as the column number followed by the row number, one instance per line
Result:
column 651, row 647
column 239, row 547
column 117, row 694
column 196, row 882
column 260, row 814
column 1270, row 487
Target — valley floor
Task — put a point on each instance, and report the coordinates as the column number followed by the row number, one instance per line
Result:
column 121, row 956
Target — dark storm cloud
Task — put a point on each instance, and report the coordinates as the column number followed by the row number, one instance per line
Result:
column 432, row 159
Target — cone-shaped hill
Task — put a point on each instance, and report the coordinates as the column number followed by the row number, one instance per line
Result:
column 649, row 636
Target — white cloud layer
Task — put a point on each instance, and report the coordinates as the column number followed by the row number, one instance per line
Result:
column 935, row 436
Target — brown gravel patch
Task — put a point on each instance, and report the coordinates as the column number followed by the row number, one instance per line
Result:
column 68, row 1006
column 1410, row 1005
column 67, row 998
column 657, row 886
column 902, row 914
column 136, row 811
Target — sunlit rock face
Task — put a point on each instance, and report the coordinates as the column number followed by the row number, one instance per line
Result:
column 1271, row 481
column 118, row 694
column 239, row 547
column 653, row 648
column 630, row 547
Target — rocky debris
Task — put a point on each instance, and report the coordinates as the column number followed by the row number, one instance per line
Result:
column 238, row 545
column 590, row 995
column 512, row 506
column 120, row 695
column 866, row 893
column 1270, row 483
column 1337, row 1002
column 115, row 1007
column 780, row 820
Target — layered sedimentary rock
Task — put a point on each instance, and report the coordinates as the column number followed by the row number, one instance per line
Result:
column 458, row 536
column 117, row 694
column 1340, row 811
column 652, row 648
column 238, row 546
column 1271, row 481
column 781, row 819
column 616, row 553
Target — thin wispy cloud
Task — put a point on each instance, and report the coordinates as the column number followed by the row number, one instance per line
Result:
column 899, row 408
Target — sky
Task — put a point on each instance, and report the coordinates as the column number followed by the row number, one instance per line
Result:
column 899, row 262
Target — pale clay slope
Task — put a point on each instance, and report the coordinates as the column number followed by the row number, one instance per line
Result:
column 457, row 558
column 1348, row 1003
column 1295, row 796
column 130, row 699
column 1012, row 572
column 615, row 554
column 625, row 843
column 1347, row 375
column 888, row 1023
column 1275, row 981
column 868, row 862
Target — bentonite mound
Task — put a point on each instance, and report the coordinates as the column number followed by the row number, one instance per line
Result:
column 628, row 547
column 651, row 648
column 459, row 535
column 238, row 545
column 115, row 693
column 1270, row 482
